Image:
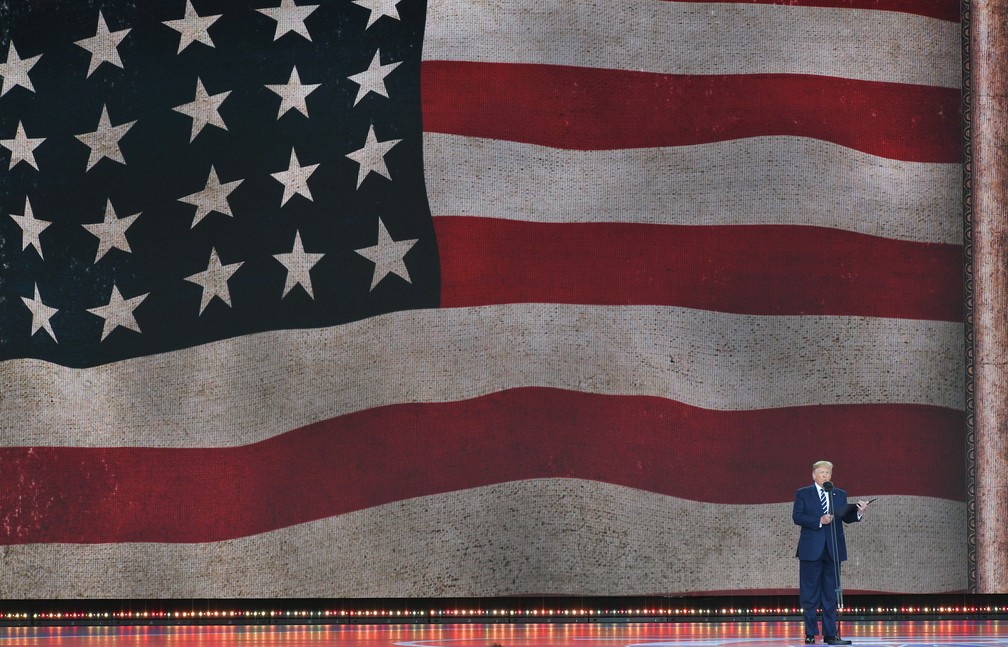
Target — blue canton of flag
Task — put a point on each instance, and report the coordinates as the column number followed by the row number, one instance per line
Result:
column 175, row 172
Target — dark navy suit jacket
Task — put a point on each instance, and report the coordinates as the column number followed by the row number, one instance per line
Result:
column 814, row 539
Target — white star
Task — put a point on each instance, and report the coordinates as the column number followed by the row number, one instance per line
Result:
column 192, row 27
column 378, row 9
column 103, row 45
column 41, row 314
column 204, row 109
column 118, row 312
column 373, row 78
column 387, row 255
column 289, row 17
column 214, row 280
column 295, row 179
column 15, row 71
column 372, row 156
column 213, row 197
column 111, row 232
column 22, row 148
column 31, row 227
column 104, row 140
column 293, row 94
column 299, row 264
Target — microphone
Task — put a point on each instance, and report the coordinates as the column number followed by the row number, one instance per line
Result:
column 828, row 486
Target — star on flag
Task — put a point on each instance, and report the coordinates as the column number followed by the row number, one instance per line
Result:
column 373, row 78
column 289, row 17
column 104, row 140
column 293, row 94
column 118, row 312
column 14, row 71
column 192, row 27
column 103, row 47
column 213, row 197
column 204, row 109
column 22, row 148
column 295, row 179
column 214, row 280
column 299, row 264
column 371, row 157
column 111, row 232
column 379, row 8
column 41, row 314
column 31, row 228
column 388, row 256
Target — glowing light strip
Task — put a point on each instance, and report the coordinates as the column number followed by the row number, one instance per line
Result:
column 273, row 615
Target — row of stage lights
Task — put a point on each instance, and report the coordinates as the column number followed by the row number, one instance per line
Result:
column 437, row 615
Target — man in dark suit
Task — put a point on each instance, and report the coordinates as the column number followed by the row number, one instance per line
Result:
column 814, row 508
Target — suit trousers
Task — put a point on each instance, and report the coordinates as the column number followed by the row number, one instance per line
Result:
column 817, row 589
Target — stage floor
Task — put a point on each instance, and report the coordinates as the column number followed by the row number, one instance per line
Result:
column 938, row 633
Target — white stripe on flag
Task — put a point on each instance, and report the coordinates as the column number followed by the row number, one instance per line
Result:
column 242, row 390
column 757, row 181
column 525, row 537
column 698, row 38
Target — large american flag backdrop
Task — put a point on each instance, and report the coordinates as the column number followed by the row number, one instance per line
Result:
column 367, row 298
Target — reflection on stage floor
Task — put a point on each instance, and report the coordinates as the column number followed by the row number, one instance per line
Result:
column 927, row 633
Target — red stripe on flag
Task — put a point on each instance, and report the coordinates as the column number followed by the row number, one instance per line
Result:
column 388, row 454
column 592, row 109
column 750, row 269
column 947, row 10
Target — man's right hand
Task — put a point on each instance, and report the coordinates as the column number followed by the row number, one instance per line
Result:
column 825, row 519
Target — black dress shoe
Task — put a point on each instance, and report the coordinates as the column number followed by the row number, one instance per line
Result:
column 833, row 640
column 809, row 640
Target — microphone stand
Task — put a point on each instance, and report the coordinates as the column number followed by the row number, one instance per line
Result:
column 836, row 563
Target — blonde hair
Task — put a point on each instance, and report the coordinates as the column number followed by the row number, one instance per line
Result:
column 816, row 465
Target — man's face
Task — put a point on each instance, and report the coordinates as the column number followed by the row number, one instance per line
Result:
column 822, row 474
